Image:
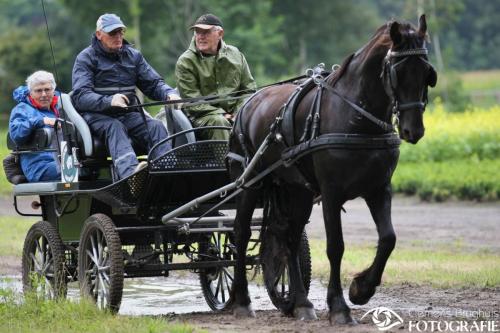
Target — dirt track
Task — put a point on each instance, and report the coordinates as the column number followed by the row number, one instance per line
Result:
column 475, row 226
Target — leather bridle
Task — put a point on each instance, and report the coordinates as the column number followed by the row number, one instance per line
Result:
column 390, row 79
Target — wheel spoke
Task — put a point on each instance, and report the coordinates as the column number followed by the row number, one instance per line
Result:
column 101, row 249
column 48, row 265
column 43, row 250
column 221, row 279
column 94, row 250
column 106, row 277
column 38, row 247
column 104, row 291
column 38, row 266
column 228, row 274
column 217, row 289
column 94, row 286
column 283, row 282
column 91, row 256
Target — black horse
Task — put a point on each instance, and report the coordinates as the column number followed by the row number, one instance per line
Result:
column 338, row 142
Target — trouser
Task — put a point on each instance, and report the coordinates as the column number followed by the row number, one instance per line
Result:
column 53, row 168
column 52, row 172
column 117, row 131
column 212, row 120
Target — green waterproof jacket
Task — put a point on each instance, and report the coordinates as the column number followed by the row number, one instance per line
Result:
column 200, row 75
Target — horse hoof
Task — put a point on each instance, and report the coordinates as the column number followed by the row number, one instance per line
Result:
column 304, row 313
column 243, row 312
column 342, row 318
column 359, row 293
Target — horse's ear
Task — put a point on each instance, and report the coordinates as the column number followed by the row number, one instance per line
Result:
column 422, row 26
column 395, row 33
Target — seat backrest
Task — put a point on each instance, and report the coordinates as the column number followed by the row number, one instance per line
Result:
column 80, row 124
column 176, row 121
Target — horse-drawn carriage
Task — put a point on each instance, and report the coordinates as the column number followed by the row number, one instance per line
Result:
column 334, row 136
column 99, row 231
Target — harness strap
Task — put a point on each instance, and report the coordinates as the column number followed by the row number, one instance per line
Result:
column 385, row 126
column 339, row 141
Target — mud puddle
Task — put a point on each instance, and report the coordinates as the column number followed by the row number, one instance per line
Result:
column 177, row 295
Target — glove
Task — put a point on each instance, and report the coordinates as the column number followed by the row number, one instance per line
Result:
column 175, row 97
column 119, row 100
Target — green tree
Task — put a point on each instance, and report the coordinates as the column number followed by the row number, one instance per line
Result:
column 24, row 45
column 324, row 31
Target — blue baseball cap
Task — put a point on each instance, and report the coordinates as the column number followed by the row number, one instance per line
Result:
column 109, row 22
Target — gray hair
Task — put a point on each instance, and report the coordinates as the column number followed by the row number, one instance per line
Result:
column 40, row 77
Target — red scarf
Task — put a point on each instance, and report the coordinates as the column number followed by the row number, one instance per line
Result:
column 52, row 104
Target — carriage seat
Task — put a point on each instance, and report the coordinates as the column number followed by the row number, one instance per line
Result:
column 40, row 141
column 92, row 147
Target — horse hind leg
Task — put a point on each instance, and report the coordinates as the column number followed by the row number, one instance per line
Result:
column 299, row 208
column 364, row 284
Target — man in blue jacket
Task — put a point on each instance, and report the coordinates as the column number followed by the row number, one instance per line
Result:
column 105, row 75
column 36, row 108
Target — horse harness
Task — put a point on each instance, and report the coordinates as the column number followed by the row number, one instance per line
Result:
column 282, row 130
column 390, row 78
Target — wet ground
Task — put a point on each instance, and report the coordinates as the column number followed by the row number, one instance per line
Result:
column 474, row 226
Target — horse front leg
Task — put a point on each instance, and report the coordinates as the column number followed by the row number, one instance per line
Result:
column 239, row 293
column 340, row 313
column 364, row 284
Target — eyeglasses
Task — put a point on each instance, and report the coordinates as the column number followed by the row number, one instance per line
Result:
column 199, row 31
column 115, row 32
column 40, row 91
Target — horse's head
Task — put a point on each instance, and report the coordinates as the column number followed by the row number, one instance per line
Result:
column 407, row 74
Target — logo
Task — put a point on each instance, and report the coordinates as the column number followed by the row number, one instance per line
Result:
column 384, row 318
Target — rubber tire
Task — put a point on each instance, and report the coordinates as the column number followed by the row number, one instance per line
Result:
column 280, row 298
column 102, row 229
column 208, row 284
column 43, row 230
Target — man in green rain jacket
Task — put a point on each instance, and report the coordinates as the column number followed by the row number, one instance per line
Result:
column 211, row 67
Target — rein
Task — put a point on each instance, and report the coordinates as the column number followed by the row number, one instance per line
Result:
column 211, row 99
column 392, row 92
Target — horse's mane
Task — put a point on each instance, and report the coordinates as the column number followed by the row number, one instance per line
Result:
column 379, row 42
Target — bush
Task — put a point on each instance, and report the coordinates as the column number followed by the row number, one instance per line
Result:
column 439, row 181
column 450, row 136
column 450, row 90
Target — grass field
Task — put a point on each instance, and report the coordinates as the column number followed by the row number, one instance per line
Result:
column 481, row 80
column 32, row 315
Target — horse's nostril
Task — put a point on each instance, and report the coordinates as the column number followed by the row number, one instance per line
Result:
column 406, row 133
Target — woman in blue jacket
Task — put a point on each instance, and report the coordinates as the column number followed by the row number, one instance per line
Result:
column 36, row 108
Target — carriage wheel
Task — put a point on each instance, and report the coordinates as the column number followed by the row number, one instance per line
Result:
column 43, row 262
column 100, row 263
column 216, row 282
column 279, row 291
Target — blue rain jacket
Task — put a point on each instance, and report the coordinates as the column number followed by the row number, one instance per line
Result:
column 24, row 119
column 95, row 68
